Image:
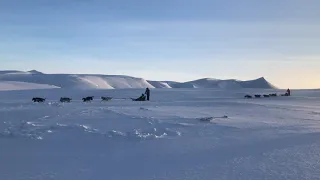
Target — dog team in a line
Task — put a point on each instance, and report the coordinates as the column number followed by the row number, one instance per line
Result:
column 288, row 93
column 143, row 97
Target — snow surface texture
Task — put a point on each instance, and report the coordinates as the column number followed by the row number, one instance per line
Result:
column 82, row 81
column 182, row 134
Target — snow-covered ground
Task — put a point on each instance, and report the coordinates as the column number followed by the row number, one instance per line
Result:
column 167, row 138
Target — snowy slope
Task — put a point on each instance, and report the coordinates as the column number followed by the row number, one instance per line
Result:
column 158, row 84
column 114, row 82
column 12, row 85
column 260, row 83
column 168, row 138
column 82, row 81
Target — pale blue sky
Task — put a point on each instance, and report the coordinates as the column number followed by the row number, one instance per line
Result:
column 165, row 39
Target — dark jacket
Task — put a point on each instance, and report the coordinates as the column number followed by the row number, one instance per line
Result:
column 289, row 92
column 147, row 91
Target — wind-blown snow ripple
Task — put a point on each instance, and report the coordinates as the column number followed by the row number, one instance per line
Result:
column 139, row 134
column 37, row 131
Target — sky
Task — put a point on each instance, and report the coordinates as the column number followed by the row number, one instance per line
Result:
column 178, row 40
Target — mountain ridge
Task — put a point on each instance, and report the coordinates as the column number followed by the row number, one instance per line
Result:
column 99, row 81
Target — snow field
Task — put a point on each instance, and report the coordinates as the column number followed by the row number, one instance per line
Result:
column 268, row 138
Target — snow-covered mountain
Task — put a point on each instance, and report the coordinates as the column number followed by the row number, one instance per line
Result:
column 26, row 80
column 261, row 83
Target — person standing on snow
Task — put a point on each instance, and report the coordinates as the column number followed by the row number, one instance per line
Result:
column 288, row 92
column 148, row 94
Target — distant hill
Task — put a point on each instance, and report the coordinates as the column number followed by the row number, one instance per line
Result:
column 10, row 72
column 90, row 81
column 35, row 72
column 258, row 83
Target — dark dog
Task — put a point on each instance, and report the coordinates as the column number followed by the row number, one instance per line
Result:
column 106, row 98
column 37, row 99
column 248, row 96
column 65, row 99
column 257, row 96
column 87, row 99
column 266, row 96
column 273, row 95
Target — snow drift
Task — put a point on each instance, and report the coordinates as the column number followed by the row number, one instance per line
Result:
column 11, row 85
column 85, row 81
